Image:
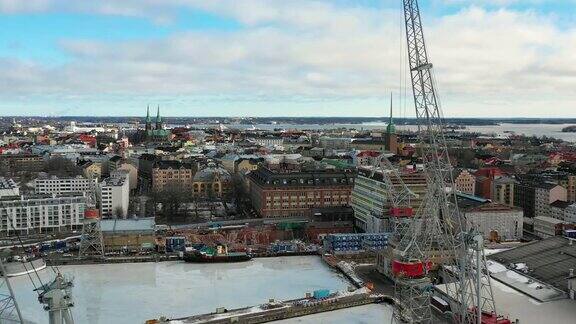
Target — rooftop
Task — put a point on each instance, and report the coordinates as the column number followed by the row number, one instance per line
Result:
column 128, row 225
column 549, row 260
column 7, row 183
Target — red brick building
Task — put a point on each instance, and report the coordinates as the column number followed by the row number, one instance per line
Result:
column 293, row 194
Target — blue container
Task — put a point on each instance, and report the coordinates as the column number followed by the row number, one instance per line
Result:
column 175, row 244
column 321, row 293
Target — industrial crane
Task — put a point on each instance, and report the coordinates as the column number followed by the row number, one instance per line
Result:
column 398, row 200
column 437, row 248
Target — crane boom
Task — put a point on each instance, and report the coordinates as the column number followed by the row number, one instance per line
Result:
column 438, row 248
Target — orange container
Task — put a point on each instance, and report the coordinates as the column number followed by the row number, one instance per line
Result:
column 92, row 213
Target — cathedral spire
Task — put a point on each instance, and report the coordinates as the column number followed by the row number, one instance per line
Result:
column 158, row 119
column 391, row 129
column 148, row 120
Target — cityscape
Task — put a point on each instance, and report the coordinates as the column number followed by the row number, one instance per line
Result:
column 171, row 162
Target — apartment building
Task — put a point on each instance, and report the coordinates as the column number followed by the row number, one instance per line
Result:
column 172, row 173
column 503, row 191
column 369, row 198
column 546, row 194
column 114, row 196
column 62, row 186
column 41, row 213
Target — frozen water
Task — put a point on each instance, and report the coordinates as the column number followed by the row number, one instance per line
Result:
column 135, row 292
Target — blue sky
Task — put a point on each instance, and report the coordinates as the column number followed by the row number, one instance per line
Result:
column 502, row 58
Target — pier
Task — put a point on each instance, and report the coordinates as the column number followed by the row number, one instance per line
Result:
column 275, row 311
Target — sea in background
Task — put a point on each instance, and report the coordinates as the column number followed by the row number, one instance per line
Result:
column 135, row 292
column 504, row 129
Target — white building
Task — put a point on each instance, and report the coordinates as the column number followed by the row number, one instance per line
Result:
column 8, row 187
column 114, row 195
column 547, row 226
column 496, row 221
column 64, row 186
column 41, row 213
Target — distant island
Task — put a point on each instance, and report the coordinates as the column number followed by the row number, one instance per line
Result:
column 569, row 129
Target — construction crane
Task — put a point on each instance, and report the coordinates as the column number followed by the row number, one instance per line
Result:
column 437, row 248
column 9, row 310
column 398, row 200
column 91, row 240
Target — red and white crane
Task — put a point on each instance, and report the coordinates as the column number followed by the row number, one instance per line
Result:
column 437, row 248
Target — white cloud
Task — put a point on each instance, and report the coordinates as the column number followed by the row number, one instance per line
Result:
column 485, row 60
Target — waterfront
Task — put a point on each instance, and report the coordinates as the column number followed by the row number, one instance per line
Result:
column 134, row 292
column 504, row 129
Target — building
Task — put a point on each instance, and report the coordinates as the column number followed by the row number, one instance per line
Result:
column 503, row 191
column 268, row 140
column 525, row 198
column 367, row 158
column 213, row 181
column 497, row 222
column 370, row 203
column 22, row 162
column 371, row 144
column 157, row 133
column 172, row 173
column 129, row 167
column 335, row 143
column 41, row 213
column 114, row 196
column 294, row 194
column 61, row 186
column 465, row 182
column 545, row 194
column 128, row 234
column 8, row 188
column 484, row 181
column 146, row 163
column 545, row 226
column 91, row 169
column 571, row 188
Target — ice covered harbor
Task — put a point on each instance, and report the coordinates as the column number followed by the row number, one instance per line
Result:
column 134, row 293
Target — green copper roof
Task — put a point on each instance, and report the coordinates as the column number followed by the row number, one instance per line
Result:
column 148, row 120
column 158, row 118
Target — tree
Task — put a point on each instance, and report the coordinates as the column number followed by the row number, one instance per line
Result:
column 172, row 200
column 118, row 212
column 61, row 167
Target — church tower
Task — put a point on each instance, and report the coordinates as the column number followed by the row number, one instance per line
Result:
column 390, row 137
column 158, row 119
column 148, row 119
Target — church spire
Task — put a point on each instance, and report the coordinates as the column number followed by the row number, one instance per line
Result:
column 158, row 119
column 391, row 129
column 148, row 120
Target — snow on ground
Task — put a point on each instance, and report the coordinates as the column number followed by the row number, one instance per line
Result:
column 495, row 267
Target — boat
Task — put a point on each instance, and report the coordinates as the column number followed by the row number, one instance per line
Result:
column 214, row 255
column 18, row 266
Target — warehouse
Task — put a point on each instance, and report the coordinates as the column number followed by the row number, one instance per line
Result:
column 128, row 234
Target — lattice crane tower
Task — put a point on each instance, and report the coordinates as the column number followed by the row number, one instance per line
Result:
column 91, row 241
column 437, row 248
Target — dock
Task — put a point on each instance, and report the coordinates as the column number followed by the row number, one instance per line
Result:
column 275, row 311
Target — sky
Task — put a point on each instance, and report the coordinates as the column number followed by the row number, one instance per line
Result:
column 492, row 58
